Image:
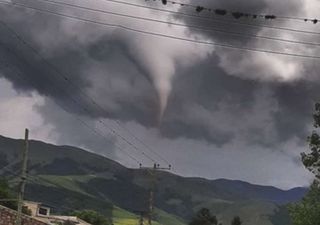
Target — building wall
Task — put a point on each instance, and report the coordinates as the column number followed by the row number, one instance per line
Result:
column 8, row 217
column 32, row 206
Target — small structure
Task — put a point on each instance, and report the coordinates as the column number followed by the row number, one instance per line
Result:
column 37, row 208
column 42, row 213
column 9, row 216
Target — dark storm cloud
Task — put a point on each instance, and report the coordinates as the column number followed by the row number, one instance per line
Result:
column 73, row 133
column 206, row 103
column 209, row 86
column 247, row 111
column 293, row 101
column 230, row 24
column 125, row 80
column 296, row 101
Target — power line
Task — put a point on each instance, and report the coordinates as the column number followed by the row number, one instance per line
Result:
column 164, row 35
column 38, row 178
column 229, row 46
column 95, row 131
column 236, row 14
column 36, row 181
column 209, row 18
column 201, row 42
column 95, row 103
column 145, row 145
column 66, row 79
column 201, row 28
column 9, row 165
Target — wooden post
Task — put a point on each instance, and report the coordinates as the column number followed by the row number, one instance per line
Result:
column 23, row 177
column 141, row 218
column 152, row 171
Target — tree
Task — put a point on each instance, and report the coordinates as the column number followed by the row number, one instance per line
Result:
column 307, row 212
column 236, row 221
column 312, row 160
column 6, row 194
column 204, row 217
column 92, row 217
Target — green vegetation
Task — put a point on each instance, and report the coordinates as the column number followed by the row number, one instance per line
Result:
column 307, row 212
column 92, row 217
column 312, row 159
column 5, row 193
column 123, row 217
column 204, row 217
column 280, row 217
column 67, row 182
column 236, row 221
column 168, row 219
column 60, row 177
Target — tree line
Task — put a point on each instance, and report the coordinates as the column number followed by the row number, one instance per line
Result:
column 204, row 217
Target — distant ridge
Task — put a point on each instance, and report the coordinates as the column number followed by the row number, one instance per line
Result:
column 82, row 179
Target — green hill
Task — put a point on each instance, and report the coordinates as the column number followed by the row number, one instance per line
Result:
column 69, row 178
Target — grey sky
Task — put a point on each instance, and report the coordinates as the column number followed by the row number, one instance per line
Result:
column 210, row 111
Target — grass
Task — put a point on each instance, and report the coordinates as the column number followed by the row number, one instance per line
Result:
column 67, row 182
column 123, row 217
column 120, row 216
column 168, row 219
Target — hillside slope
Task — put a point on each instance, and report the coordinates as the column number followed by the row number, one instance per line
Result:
column 70, row 178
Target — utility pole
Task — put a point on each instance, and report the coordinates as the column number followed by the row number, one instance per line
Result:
column 23, row 177
column 141, row 216
column 141, row 219
column 152, row 172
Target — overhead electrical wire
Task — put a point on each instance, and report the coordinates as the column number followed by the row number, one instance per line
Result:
column 124, row 27
column 94, row 130
column 36, row 179
column 198, row 27
column 145, row 145
column 66, row 79
column 157, row 34
column 201, row 28
column 33, row 179
column 99, row 106
column 235, row 14
column 212, row 19
column 9, row 165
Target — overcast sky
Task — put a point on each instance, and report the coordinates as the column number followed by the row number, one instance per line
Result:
column 210, row 111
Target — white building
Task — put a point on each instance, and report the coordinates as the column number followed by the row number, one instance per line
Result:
column 42, row 213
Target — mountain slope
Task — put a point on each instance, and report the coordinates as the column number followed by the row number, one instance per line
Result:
column 76, row 179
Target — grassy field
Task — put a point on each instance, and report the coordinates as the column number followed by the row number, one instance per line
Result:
column 122, row 217
column 119, row 216
column 167, row 219
column 67, row 182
